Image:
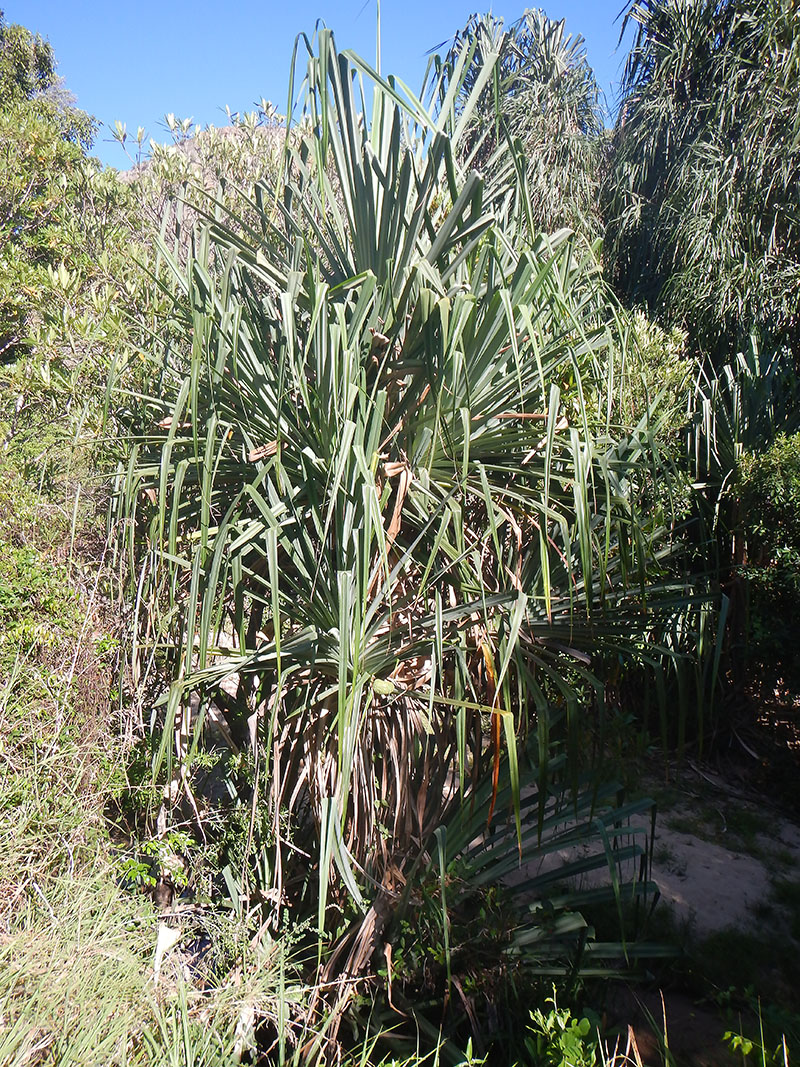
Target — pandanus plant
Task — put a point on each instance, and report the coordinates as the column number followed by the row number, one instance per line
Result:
column 382, row 519
column 544, row 96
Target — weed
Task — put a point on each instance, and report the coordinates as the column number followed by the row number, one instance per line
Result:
column 786, row 892
column 665, row 856
column 763, row 960
column 157, row 859
column 763, row 1032
column 784, row 857
column 559, row 1039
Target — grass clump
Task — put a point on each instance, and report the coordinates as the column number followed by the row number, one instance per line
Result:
column 73, row 965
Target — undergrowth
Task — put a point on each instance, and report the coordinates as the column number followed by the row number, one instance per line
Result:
column 78, row 939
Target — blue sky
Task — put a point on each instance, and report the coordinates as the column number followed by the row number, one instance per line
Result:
column 135, row 62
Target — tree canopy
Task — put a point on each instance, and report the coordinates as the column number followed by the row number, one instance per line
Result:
column 43, row 143
column 27, row 64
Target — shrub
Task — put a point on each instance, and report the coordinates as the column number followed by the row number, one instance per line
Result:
column 769, row 503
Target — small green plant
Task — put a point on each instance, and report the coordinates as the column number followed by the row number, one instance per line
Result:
column 560, row 1039
column 156, row 860
column 765, row 1048
column 753, row 1051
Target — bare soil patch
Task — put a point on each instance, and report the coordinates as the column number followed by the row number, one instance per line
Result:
column 719, row 853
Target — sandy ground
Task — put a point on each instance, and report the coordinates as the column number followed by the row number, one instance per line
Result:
column 712, row 876
column 709, row 885
column 716, row 854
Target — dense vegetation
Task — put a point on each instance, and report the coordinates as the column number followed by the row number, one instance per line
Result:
column 431, row 458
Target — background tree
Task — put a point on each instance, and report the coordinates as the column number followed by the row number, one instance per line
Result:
column 702, row 227
column 42, row 143
column 543, row 95
column 69, row 286
column 27, row 64
column 701, row 198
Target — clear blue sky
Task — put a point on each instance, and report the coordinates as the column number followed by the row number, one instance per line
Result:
column 137, row 61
